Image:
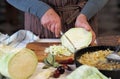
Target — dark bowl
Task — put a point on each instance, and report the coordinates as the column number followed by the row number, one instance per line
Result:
column 114, row 74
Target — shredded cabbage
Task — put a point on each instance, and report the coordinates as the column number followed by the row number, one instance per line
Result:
column 58, row 50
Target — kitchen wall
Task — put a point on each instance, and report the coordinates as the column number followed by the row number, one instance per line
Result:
column 11, row 19
column 109, row 19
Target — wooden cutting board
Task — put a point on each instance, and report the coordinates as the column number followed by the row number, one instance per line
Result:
column 39, row 47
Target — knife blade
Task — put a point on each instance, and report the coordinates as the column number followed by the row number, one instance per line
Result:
column 68, row 40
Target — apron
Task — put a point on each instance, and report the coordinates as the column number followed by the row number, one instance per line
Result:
column 68, row 10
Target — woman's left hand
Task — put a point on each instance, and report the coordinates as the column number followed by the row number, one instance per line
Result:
column 81, row 22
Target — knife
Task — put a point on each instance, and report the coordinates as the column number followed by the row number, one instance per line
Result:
column 68, row 40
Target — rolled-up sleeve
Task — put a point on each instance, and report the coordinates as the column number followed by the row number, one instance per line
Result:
column 35, row 7
column 92, row 7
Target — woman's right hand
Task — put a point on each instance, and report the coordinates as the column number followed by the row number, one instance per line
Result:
column 52, row 22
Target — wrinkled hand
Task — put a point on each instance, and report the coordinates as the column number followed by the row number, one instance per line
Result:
column 82, row 22
column 52, row 22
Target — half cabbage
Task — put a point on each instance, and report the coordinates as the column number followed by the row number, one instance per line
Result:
column 79, row 37
column 86, row 72
column 18, row 63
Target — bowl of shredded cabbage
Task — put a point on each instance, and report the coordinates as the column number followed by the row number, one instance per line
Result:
column 96, row 56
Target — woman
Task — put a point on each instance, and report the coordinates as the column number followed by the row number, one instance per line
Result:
column 58, row 15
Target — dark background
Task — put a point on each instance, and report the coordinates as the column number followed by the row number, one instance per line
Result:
column 11, row 19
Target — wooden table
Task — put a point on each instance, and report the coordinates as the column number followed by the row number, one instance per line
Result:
column 109, row 40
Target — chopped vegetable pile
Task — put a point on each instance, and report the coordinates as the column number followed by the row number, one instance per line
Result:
column 58, row 50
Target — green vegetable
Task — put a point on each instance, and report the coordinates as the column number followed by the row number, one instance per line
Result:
column 79, row 37
column 18, row 63
column 50, row 61
column 86, row 72
column 5, row 49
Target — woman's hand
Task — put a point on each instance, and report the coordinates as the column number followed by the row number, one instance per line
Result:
column 82, row 22
column 52, row 22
